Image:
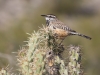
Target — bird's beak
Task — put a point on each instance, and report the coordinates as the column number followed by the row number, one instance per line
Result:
column 43, row 15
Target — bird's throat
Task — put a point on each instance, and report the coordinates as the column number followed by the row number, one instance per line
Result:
column 47, row 22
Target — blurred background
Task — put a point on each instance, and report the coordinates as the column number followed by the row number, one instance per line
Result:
column 18, row 17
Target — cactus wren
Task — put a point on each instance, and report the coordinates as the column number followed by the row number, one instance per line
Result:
column 59, row 28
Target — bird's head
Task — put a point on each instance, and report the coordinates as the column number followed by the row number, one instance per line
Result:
column 49, row 17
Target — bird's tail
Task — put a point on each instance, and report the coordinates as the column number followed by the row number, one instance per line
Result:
column 82, row 35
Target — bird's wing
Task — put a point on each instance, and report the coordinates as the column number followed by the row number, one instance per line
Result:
column 63, row 26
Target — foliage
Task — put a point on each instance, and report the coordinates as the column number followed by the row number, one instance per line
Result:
column 42, row 56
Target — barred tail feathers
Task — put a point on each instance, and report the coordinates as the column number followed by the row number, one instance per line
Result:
column 82, row 35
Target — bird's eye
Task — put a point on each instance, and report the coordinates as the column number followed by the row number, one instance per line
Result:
column 50, row 16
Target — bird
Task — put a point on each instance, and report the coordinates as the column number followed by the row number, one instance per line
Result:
column 60, row 28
